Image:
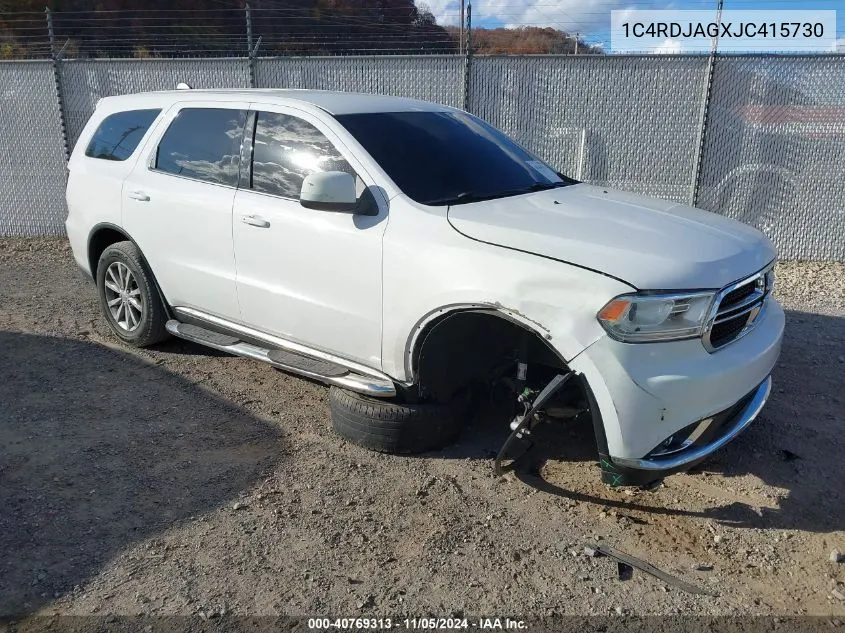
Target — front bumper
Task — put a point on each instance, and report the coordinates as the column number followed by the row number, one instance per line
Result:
column 738, row 418
column 644, row 394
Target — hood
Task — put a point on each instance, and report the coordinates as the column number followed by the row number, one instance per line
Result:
column 650, row 244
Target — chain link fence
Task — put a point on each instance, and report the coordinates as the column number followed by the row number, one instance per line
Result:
column 32, row 151
column 774, row 153
column 84, row 82
column 625, row 122
column 770, row 150
column 431, row 77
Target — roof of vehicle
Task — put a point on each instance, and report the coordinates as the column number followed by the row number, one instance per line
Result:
column 334, row 102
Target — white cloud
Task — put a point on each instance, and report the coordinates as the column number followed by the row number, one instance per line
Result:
column 669, row 47
column 574, row 16
column 582, row 16
column 446, row 12
column 840, row 45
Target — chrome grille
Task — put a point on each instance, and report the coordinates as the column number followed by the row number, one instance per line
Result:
column 737, row 309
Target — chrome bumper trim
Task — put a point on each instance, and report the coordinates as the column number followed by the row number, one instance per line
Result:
column 759, row 301
column 678, row 460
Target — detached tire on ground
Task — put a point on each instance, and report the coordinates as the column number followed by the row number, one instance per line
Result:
column 390, row 427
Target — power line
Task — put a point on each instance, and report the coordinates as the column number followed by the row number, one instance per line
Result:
column 221, row 30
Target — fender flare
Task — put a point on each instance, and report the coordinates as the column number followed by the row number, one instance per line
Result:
column 96, row 229
column 118, row 229
column 416, row 338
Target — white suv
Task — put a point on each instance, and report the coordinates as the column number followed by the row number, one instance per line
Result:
column 413, row 257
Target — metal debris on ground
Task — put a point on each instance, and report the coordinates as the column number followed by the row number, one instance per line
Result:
column 624, row 570
column 626, row 562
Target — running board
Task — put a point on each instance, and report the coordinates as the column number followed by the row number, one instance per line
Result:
column 287, row 360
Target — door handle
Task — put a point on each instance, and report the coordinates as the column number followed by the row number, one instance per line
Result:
column 139, row 195
column 255, row 220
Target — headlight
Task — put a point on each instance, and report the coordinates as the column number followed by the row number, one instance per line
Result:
column 639, row 318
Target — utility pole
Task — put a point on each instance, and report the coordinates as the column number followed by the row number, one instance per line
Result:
column 576, row 43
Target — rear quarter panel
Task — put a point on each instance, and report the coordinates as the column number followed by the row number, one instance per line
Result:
column 94, row 186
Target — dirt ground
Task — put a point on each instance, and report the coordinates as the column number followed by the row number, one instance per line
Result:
column 178, row 481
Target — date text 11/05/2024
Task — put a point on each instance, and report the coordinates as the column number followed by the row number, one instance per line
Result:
column 416, row 624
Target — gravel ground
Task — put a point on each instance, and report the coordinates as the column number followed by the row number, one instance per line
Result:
column 178, row 481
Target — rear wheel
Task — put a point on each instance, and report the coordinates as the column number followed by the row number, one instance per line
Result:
column 390, row 427
column 128, row 296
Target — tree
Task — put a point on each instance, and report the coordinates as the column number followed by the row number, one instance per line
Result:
column 167, row 28
column 525, row 40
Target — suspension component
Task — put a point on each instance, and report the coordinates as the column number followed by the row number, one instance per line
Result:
column 532, row 403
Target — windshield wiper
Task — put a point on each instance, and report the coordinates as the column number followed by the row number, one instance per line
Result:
column 462, row 198
column 542, row 186
column 471, row 196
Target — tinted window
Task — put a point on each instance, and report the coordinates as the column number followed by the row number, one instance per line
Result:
column 287, row 149
column 203, row 143
column 448, row 157
column 119, row 134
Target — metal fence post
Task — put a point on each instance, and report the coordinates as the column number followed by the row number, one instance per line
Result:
column 251, row 59
column 55, row 58
column 468, row 58
column 702, row 134
column 705, row 109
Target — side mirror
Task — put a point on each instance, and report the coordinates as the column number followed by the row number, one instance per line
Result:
column 329, row 191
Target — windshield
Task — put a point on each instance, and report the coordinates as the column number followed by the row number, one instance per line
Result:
column 439, row 158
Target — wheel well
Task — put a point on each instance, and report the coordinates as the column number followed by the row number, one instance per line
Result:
column 100, row 240
column 478, row 346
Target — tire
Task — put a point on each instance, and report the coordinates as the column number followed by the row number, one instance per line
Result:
column 123, row 277
column 389, row 427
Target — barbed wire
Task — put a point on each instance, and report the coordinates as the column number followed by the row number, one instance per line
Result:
column 222, row 31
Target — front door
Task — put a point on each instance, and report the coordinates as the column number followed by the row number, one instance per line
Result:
column 177, row 204
column 313, row 277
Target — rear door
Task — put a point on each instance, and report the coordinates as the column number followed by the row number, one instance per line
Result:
column 177, row 204
column 102, row 159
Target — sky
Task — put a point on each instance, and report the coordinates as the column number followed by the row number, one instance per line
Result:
column 591, row 18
